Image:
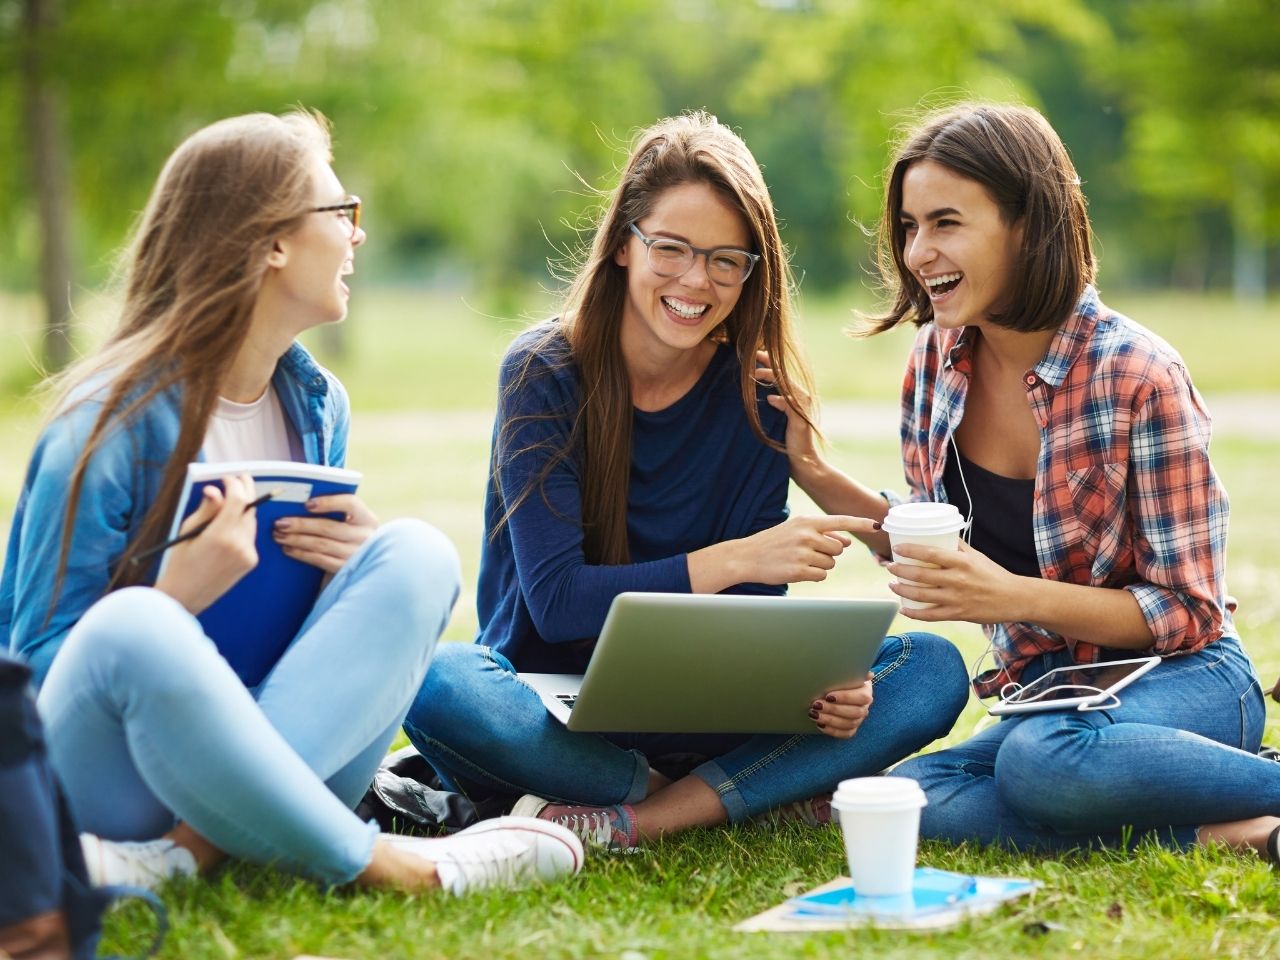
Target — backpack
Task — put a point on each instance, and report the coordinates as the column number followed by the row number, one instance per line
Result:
column 407, row 796
column 42, row 869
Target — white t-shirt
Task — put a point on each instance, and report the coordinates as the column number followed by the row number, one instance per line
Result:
column 249, row 431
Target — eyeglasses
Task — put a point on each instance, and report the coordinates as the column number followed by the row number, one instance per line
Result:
column 726, row 266
column 350, row 209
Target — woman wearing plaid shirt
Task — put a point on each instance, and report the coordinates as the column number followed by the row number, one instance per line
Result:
column 1077, row 444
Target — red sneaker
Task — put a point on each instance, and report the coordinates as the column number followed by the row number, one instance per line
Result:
column 611, row 828
column 815, row 811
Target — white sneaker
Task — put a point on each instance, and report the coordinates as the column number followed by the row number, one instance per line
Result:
column 502, row 852
column 130, row 864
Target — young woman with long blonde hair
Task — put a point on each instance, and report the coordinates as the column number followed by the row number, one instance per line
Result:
column 167, row 758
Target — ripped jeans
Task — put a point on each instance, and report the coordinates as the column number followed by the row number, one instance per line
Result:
column 478, row 723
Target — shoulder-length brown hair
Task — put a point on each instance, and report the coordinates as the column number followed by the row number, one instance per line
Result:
column 192, row 276
column 692, row 148
column 1024, row 166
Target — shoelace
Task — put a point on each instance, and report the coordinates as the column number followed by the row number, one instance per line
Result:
column 133, row 863
column 492, row 862
column 810, row 811
column 594, row 827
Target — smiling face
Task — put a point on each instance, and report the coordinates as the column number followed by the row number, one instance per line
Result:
column 309, row 264
column 957, row 245
column 670, row 315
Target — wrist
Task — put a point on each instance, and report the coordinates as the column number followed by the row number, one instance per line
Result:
column 192, row 603
column 717, row 567
column 1026, row 600
column 737, row 563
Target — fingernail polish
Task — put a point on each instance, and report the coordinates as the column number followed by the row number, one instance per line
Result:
column 816, row 705
column 875, row 525
column 813, row 714
column 831, row 698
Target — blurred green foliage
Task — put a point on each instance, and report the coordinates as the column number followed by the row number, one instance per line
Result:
column 466, row 124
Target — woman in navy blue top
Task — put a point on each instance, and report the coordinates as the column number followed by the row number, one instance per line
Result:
column 633, row 450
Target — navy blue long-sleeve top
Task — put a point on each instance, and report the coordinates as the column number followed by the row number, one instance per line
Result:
column 699, row 476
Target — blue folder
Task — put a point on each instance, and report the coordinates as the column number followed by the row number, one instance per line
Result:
column 933, row 892
column 255, row 621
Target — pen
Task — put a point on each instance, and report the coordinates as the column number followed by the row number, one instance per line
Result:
column 197, row 530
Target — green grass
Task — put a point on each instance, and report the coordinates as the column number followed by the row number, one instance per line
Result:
column 421, row 372
column 434, row 350
column 680, row 900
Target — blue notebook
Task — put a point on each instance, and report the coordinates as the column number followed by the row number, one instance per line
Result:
column 937, row 897
column 254, row 621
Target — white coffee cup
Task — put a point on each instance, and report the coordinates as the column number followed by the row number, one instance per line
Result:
column 880, row 819
column 927, row 524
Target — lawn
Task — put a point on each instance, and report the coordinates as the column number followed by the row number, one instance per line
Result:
column 420, row 369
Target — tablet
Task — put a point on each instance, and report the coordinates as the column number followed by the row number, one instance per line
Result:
column 1085, row 686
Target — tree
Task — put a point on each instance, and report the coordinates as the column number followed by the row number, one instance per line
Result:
column 45, row 127
column 1205, row 118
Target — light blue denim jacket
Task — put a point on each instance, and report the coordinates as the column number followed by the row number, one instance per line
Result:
column 121, row 483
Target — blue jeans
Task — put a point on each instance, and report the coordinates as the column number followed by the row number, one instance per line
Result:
column 1179, row 751
column 478, row 723
column 147, row 724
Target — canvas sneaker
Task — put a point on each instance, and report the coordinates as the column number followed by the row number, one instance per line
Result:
column 611, row 828
column 130, row 864
column 502, row 852
column 814, row 811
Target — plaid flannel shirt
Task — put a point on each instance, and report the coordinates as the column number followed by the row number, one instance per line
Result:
column 1125, row 495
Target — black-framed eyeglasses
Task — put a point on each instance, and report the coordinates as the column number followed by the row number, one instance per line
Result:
column 350, row 209
column 726, row 266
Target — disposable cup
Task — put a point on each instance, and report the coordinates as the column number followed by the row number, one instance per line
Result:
column 880, row 819
column 927, row 524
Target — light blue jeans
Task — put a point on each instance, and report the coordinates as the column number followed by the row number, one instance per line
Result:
column 479, row 724
column 148, row 725
column 1179, row 751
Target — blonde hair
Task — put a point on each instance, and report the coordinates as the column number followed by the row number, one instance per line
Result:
column 195, row 267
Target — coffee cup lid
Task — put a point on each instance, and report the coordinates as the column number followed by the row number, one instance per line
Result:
column 922, row 518
column 878, row 794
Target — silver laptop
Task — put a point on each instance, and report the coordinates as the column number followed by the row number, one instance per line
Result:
column 696, row 663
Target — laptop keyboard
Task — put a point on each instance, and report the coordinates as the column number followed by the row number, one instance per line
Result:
column 568, row 699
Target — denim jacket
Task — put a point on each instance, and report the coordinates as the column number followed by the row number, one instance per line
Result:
column 120, row 484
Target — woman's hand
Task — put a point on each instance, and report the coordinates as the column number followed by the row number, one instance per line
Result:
column 798, row 549
column 202, row 569
column 840, row 713
column 322, row 541
column 962, row 584
column 801, row 440
column 967, row 585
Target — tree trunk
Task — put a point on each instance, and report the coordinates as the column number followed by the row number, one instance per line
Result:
column 1249, row 254
column 50, row 179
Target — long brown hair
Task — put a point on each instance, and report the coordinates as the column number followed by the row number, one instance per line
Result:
column 692, row 148
column 193, row 273
column 1015, row 154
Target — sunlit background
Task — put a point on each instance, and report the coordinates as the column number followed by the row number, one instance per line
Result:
column 477, row 131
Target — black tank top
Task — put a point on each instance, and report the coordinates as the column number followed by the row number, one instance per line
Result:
column 1001, row 511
